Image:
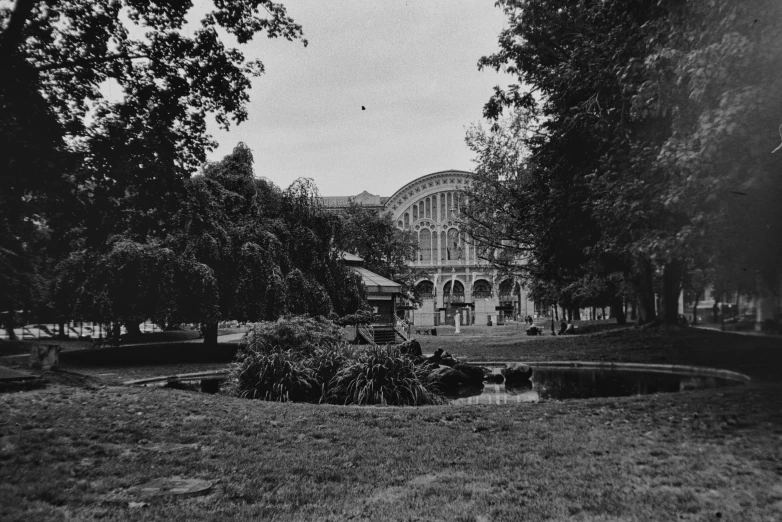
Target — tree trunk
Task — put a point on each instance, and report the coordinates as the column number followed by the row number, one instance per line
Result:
column 617, row 311
column 61, row 334
column 210, row 333
column 695, row 307
column 645, row 292
column 133, row 329
column 556, row 313
column 673, row 273
column 765, row 302
column 9, row 326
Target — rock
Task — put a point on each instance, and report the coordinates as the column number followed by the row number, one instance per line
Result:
column 517, row 374
column 494, row 378
column 448, row 378
column 412, row 348
column 473, row 373
column 45, row 357
column 449, row 361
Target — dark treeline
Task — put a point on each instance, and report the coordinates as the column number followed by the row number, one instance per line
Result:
column 108, row 209
column 634, row 156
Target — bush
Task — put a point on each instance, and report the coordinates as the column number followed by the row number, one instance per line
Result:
column 301, row 359
column 381, row 376
column 301, row 335
column 276, row 376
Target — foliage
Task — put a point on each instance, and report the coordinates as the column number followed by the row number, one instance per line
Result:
column 87, row 168
column 303, row 359
column 297, row 334
column 382, row 375
column 274, row 376
column 636, row 130
column 385, row 249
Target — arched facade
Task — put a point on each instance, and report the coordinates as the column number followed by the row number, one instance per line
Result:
column 430, row 208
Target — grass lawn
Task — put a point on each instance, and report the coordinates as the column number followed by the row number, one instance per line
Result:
column 72, row 451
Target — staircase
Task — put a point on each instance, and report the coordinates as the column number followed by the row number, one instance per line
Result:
column 380, row 334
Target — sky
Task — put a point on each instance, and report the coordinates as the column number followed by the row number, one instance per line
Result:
column 412, row 65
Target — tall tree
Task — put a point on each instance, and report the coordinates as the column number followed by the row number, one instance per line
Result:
column 125, row 156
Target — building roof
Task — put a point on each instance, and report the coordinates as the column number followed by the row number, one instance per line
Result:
column 375, row 283
column 351, row 259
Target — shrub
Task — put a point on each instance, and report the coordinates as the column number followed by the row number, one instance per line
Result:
column 301, row 359
column 381, row 375
column 301, row 335
column 274, row 376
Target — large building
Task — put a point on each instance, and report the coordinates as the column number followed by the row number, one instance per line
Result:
column 456, row 281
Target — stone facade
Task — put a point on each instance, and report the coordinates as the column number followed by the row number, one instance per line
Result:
column 458, row 282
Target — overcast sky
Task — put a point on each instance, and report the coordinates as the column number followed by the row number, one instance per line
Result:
column 411, row 64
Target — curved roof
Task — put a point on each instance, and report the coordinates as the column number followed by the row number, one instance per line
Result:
column 426, row 178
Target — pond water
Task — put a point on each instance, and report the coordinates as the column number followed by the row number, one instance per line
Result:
column 567, row 382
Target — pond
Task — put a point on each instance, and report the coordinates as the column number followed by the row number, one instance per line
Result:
column 585, row 380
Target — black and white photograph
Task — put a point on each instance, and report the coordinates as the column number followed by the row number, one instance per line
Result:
column 402, row 260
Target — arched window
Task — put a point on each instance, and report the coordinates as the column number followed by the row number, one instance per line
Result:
column 425, row 245
column 428, row 208
column 481, row 289
column 407, row 220
column 506, row 290
column 400, row 224
column 443, row 247
column 421, row 209
column 457, row 296
column 425, row 289
column 415, row 213
column 449, row 205
column 454, row 247
column 442, row 207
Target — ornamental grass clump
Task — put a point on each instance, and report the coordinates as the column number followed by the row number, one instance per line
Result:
column 275, row 376
column 302, row 359
column 381, row 375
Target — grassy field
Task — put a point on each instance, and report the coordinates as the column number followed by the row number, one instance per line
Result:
column 74, row 450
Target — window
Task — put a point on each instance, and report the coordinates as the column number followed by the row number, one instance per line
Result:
column 425, row 245
column 428, row 208
column 443, row 247
column 481, row 289
column 442, row 207
column 407, row 220
column 454, row 247
column 415, row 213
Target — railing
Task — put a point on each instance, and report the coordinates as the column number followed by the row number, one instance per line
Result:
column 367, row 332
column 507, row 298
column 401, row 334
column 481, row 295
column 453, row 298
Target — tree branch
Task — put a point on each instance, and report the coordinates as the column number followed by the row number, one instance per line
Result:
column 10, row 41
column 86, row 62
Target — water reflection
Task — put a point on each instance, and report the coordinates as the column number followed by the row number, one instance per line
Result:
column 582, row 383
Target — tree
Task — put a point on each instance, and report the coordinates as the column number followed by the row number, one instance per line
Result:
column 385, row 249
column 645, row 116
column 124, row 158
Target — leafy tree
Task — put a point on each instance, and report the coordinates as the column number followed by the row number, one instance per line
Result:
column 123, row 158
column 385, row 249
column 645, row 112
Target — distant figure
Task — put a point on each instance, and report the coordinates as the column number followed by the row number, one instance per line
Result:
column 562, row 327
column 529, row 319
column 570, row 329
